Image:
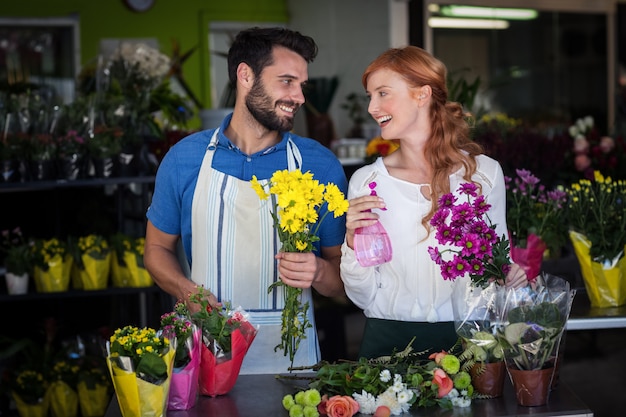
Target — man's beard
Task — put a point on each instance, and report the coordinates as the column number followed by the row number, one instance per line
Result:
column 262, row 108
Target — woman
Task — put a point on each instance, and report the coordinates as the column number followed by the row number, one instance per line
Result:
column 407, row 297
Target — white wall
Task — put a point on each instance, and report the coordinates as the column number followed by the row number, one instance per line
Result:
column 349, row 34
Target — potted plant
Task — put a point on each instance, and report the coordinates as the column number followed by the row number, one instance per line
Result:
column 71, row 152
column 17, row 260
column 531, row 324
column 29, row 391
column 91, row 262
column 52, row 265
column 103, row 146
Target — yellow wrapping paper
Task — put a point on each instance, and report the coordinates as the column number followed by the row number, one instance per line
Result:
column 138, row 398
column 57, row 277
column 95, row 275
column 63, row 400
column 31, row 410
column 93, row 402
column 131, row 274
column 606, row 286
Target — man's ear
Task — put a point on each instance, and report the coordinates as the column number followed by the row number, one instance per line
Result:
column 245, row 76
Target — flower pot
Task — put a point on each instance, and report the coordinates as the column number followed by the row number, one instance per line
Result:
column 42, row 169
column 10, row 170
column 104, row 167
column 16, row 284
column 70, row 167
column 488, row 378
column 532, row 388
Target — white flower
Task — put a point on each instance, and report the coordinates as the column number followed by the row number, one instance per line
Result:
column 389, row 399
column 405, row 396
column 573, row 131
column 385, row 375
column 366, row 401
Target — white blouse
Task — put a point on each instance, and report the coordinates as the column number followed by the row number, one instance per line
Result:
column 410, row 287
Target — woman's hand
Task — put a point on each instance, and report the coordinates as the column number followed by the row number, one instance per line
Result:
column 516, row 278
column 359, row 214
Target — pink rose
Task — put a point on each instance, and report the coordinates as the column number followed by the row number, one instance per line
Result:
column 438, row 356
column 582, row 162
column 607, row 144
column 338, row 406
column 443, row 381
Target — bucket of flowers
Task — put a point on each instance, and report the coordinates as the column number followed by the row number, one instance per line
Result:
column 92, row 262
column 471, row 252
column 52, row 265
column 596, row 213
column 140, row 362
column 184, row 384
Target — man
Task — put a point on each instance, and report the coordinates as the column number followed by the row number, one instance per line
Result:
column 203, row 196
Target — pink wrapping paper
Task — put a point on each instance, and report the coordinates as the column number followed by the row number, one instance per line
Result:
column 529, row 258
column 184, row 383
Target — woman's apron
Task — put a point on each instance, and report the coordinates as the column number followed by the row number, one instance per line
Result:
column 233, row 243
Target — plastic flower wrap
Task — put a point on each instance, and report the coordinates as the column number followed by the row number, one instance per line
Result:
column 92, row 262
column 53, row 265
column 397, row 383
column 297, row 204
column 226, row 337
column 62, row 390
column 94, row 386
column 532, row 321
column 141, row 362
column 184, row 384
column 127, row 267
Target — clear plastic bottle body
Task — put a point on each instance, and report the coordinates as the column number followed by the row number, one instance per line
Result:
column 372, row 245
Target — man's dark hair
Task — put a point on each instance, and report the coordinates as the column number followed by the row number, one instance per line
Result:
column 254, row 47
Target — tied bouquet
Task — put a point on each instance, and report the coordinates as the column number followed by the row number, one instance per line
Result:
column 597, row 217
column 384, row 386
column 184, row 384
column 534, row 220
column 140, row 362
column 471, row 247
column 298, row 200
column 226, row 337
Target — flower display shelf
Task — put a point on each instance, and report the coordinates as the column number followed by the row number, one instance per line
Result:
column 12, row 187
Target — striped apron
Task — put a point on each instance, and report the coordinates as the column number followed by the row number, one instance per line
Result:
column 233, row 245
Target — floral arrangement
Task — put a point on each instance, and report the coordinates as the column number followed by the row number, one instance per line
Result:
column 140, row 362
column 298, row 200
column 144, row 349
column 468, row 236
column 31, row 386
column 226, row 337
column 392, row 384
column 70, row 143
column 379, row 147
column 532, row 321
column 41, row 146
column 49, row 251
column 594, row 152
column 177, row 324
column 535, row 220
column 17, row 251
column 597, row 209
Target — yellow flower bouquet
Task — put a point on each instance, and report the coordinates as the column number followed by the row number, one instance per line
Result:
column 53, row 265
column 127, row 267
column 141, row 363
column 92, row 262
column 597, row 215
column 297, row 203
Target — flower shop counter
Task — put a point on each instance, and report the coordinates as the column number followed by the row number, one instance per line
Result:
column 261, row 395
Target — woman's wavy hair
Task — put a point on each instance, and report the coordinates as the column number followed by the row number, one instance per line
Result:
column 450, row 143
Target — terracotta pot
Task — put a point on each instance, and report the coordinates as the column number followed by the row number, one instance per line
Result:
column 488, row 378
column 532, row 388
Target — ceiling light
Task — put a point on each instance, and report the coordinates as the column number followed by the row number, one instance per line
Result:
column 489, row 12
column 450, row 23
